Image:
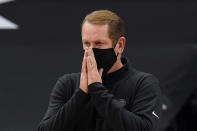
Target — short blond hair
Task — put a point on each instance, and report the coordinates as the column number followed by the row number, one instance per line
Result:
column 115, row 23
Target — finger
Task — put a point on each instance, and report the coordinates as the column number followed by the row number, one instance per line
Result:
column 89, row 64
column 101, row 71
column 93, row 63
column 86, row 51
column 91, row 51
column 93, row 60
column 92, row 54
column 84, row 64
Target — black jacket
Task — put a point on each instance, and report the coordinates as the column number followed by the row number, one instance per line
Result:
column 126, row 100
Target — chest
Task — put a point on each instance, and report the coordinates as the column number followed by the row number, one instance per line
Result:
column 90, row 119
column 123, row 91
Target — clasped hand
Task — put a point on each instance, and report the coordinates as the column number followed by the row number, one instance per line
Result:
column 89, row 71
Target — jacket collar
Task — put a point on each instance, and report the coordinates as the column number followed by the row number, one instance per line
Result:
column 118, row 74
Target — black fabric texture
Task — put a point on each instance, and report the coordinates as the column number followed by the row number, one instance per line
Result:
column 126, row 100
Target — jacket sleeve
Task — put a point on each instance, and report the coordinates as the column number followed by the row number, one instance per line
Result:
column 145, row 110
column 63, row 108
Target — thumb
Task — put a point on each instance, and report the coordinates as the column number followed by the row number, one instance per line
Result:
column 101, row 71
column 84, row 64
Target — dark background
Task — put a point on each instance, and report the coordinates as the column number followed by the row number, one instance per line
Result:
column 161, row 39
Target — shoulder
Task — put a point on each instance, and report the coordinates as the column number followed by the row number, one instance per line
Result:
column 148, row 85
column 66, row 84
column 69, row 78
column 140, row 77
column 145, row 81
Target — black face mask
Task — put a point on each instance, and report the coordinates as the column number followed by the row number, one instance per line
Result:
column 105, row 58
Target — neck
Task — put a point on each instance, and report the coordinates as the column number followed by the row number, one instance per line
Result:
column 117, row 65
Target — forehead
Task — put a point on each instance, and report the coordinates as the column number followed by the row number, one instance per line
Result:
column 90, row 30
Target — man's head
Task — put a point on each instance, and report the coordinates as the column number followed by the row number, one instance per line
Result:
column 103, row 29
column 102, row 24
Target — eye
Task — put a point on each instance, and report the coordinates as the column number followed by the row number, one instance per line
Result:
column 98, row 43
column 86, row 44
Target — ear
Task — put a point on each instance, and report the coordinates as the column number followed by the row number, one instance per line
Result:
column 120, row 45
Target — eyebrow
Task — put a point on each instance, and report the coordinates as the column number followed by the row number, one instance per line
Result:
column 103, row 41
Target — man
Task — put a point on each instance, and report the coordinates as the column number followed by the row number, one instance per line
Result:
column 108, row 94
